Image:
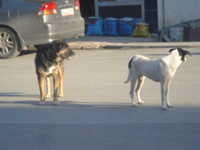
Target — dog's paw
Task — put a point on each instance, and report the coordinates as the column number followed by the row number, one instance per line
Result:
column 56, row 103
column 141, row 102
column 61, row 95
column 47, row 96
column 42, row 103
column 135, row 105
column 164, row 107
column 170, row 105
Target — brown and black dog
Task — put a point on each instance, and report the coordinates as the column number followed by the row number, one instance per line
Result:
column 49, row 61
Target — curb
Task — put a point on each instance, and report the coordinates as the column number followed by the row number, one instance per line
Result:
column 85, row 46
column 89, row 45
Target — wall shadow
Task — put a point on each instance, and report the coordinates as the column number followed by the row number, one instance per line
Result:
column 27, row 52
column 17, row 94
column 196, row 53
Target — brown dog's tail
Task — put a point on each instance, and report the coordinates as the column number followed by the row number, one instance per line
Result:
column 128, row 79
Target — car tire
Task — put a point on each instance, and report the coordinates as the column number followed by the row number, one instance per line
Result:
column 9, row 43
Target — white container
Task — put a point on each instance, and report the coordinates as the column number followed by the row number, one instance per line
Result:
column 176, row 34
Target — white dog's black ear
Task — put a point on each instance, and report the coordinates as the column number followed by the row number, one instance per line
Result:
column 183, row 53
column 172, row 50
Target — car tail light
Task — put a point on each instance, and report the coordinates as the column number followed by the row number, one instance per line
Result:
column 48, row 9
column 77, row 5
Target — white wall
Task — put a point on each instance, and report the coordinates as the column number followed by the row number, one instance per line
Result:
column 177, row 11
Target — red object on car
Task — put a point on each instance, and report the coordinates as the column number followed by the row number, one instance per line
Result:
column 77, row 6
column 48, row 9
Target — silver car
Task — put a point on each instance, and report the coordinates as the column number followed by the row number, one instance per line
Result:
column 37, row 22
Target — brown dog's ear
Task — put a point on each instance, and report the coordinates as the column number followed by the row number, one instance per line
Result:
column 59, row 45
column 56, row 47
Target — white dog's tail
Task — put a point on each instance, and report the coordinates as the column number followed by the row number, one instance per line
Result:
column 129, row 71
column 128, row 79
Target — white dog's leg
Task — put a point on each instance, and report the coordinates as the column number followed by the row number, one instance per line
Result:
column 163, row 95
column 167, row 95
column 133, row 81
column 139, row 86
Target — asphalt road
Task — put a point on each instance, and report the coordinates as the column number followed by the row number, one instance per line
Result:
column 96, row 112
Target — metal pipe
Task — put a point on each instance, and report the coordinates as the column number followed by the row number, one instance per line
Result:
column 96, row 8
column 164, row 22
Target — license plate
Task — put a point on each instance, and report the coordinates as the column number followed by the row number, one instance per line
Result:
column 67, row 12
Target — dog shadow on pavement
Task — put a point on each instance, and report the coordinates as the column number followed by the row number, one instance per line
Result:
column 16, row 94
column 22, row 100
column 33, row 99
column 13, row 97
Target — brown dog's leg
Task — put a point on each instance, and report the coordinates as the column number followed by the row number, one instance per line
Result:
column 55, row 84
column 61, row 74
column 48, row 95
column 41, row 85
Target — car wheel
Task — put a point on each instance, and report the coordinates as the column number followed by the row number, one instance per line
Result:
column 9, row 43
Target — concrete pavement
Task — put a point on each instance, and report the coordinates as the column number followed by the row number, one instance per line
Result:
column 106, row 42
column 96, row 111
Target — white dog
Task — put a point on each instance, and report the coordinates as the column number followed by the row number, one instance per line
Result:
column 159, row 70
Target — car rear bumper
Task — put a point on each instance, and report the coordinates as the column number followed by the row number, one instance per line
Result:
column 56, row 31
